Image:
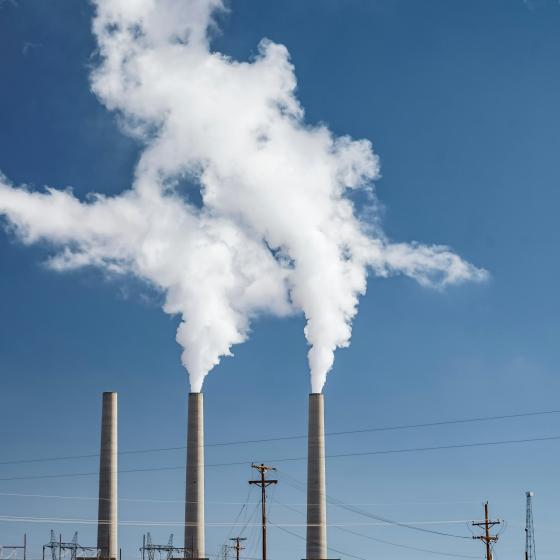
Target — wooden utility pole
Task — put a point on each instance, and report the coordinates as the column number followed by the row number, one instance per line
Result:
column 487, row 538
column 237, row 546
column 263, row 483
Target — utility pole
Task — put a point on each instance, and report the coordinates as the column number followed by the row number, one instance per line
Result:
column 529, row 529
column 237, row 546
column 487, row 538
column 263, row 483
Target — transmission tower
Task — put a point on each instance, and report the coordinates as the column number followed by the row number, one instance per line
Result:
column 529, row 529
column 74, row 547
column 55, row 545
column 12, row 550
column 151, row 551
column 58, row 548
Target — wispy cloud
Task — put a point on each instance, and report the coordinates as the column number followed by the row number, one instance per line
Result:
column 28, row 46
column 12, row 3
column 536, row 4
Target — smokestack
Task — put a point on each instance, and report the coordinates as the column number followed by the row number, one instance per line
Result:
column 107, row 528
column 316, row 491
column 194, row 506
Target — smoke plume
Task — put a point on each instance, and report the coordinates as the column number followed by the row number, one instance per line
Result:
column 276, row 232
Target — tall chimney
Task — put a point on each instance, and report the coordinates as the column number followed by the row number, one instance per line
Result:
column 107, row 528
column 194, row 506
column 316, row 491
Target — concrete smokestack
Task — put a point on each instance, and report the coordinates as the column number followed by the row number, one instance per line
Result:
column 194, row 506
column 316, row 489
column 107, row 528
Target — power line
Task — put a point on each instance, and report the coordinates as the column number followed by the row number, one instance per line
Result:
column 408, row 547
column 364, row 513
column 146, row 523
column 121, row 499
column 328, row 547
column 303, row 458
column 383, row 541
column 240, row 513
column 348, row 554
column 396, row 523
column 294, row 437
column 245, row 503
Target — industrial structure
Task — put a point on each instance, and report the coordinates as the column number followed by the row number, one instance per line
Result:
column 151, row 551
column 107, row 528
column 13, row 549
column 107, row 519
column 56, row 549
column 194, row 495
column 194, row 524
column 316, row 548
column 529, row 529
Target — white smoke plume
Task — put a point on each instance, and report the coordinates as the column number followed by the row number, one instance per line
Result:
column 277, row 231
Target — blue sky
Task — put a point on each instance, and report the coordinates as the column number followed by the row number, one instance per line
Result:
column 460, row 102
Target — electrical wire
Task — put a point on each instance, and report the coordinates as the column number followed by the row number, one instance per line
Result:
column 241, row 511
column 383, row 541
column 303, row 458
column 121, row 499
column 406, row 525
column 293, row 437
column 141, row 523
column 328, row 547
column 245, row 503
column 408, row 547
column 390, row 543
column 254, row 534
column 298, row 486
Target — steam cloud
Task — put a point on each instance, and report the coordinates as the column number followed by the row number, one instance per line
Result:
column 276, row 232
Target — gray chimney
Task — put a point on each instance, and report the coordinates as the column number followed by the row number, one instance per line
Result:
column 194, row 506
column 316, row 490
column 107, row 528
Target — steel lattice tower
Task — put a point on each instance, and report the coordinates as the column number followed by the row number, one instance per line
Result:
column 529, row 529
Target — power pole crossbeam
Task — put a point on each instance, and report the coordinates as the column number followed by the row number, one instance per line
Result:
column 264, row 484
column 488, row 539
column 237, row 546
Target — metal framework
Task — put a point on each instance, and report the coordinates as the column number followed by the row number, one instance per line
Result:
column 529, row 529
column 151, row 551
column 225, row 552
column 12, row 549
column 57, row 547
